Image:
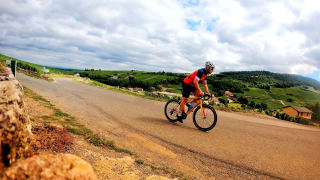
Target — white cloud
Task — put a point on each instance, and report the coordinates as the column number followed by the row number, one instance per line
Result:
column 171, row 35
column 302, row 69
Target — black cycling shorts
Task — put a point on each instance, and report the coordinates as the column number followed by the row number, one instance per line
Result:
column 187, row 89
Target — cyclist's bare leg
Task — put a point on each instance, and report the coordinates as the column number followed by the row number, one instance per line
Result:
column 183, row 103
column 182, row 114
column 196, row 96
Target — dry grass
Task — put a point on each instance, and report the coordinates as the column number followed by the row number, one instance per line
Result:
column 51, row 138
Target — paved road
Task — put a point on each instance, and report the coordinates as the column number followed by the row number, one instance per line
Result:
column 261, row 148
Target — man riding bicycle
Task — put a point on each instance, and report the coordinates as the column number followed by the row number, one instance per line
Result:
column 191, row 84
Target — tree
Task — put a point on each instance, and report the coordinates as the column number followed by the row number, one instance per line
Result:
column 131, row 78
column 243, row 100
column 223, row 101
column 316, row 112
column 252, row 104
column 264, row 106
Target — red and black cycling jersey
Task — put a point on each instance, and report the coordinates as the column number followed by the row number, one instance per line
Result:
column 200, row 74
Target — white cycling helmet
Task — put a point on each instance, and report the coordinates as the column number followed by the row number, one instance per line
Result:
column 210, row 64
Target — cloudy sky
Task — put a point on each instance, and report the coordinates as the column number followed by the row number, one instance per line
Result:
column 164, row 35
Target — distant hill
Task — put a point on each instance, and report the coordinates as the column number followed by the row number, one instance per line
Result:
column 63, row 68
column 274, row 89
column 262, row 78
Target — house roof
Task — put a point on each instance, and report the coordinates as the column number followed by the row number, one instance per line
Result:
column 300, row 109
column 228, row 93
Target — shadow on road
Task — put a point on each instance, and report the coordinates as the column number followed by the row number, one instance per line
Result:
column 162, row 122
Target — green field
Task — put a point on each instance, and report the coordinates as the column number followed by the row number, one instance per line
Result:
column 294, row 96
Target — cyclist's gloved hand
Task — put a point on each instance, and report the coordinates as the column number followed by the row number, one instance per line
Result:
column 201, row 94
column 210, row 95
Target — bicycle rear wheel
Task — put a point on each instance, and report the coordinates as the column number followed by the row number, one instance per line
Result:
column 171, row 110
column 207, row 122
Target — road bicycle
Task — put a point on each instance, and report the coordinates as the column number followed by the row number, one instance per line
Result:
column 204, row 115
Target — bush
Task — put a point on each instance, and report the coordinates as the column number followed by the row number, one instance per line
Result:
column 289, row 100
column 252, row 105
column 243, row 100
column 291, row 119
column 263, row 86
column 316, row 112
column 27, row 66
column 264, row 106
column 302, row 121
column 286, row 117
column 223, row 101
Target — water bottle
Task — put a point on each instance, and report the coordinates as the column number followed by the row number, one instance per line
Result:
column 191, row 106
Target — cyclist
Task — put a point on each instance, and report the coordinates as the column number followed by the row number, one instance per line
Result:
column 191, row 84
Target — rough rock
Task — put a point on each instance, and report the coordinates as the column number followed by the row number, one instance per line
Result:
column 49, row 166
column 5, row 73
column 15, row 128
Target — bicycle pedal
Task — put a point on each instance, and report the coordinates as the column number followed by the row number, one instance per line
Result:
column 184, row 116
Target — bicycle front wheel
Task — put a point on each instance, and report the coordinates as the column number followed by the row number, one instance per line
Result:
column 205, row 120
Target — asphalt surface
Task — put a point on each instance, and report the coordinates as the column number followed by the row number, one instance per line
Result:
column 261, row 148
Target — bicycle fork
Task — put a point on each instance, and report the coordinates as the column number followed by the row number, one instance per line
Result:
column 203, row 113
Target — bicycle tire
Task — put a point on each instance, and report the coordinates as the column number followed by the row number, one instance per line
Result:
column 167, row 111
column 195, row 120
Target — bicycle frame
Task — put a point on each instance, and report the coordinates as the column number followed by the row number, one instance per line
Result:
column 204, row 122
column 199, row 102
